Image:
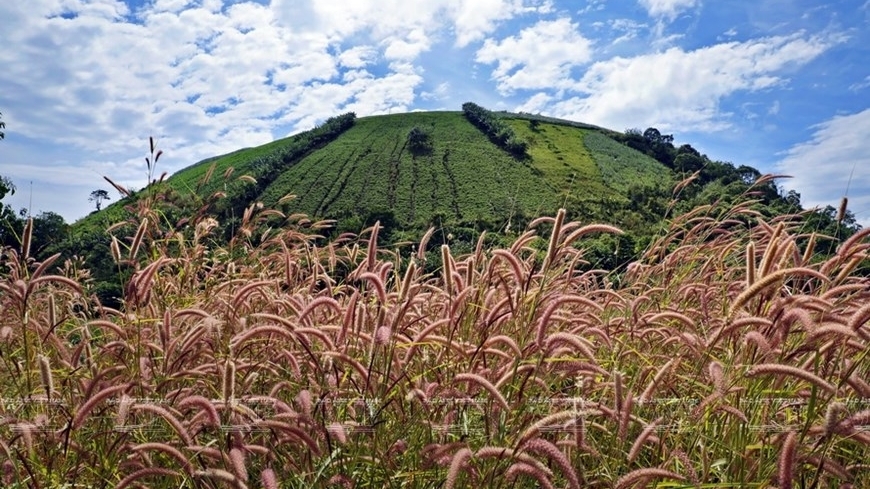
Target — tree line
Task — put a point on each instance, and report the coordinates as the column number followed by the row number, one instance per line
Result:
column 718, row 181
column 496, row 129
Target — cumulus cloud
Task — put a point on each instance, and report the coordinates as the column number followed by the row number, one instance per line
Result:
column 831, row 163
column 537, row 103
column 184, row 71
column 357, row 56
column 473, row 21
column 678, row 88
column 402, row 19
column 540, row 56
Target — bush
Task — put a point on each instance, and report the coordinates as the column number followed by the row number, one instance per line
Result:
column 419, row 141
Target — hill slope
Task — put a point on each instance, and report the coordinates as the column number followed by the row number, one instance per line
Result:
column 412, row 171
column 460, row 176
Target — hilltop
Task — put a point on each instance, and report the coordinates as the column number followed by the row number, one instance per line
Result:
column 372, row 168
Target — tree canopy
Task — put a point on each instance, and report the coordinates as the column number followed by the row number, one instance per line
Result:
column 98, row 196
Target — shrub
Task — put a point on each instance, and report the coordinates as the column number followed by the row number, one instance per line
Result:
column 419, row 141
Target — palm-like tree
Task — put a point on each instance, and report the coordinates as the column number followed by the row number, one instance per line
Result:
column 2, row 126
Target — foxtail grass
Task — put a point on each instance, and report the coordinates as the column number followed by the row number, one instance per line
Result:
column 730, row 354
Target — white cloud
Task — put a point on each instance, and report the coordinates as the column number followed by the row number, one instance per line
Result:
column 630, row 29
column 667, row 8
column 358, row 56
column 439, row 93
column 592, row 6
column 469, row 21
column 181, row 71
column 855, row 87
column 407, row 48
column 540, row 56
column 105, row 9
column 475, row 20
column 170, row 5
column 677, row 88
column 833, row 161
column 386, row 95
column 536, row 104
column 774, row 108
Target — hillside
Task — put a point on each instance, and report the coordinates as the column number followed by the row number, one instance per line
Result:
column 462, row 177
column 461, row 172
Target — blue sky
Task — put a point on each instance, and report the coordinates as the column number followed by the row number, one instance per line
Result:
column 781, row 85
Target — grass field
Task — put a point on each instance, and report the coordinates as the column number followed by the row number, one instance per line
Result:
column 559, row 154
column 621, row 167
column 370, row 170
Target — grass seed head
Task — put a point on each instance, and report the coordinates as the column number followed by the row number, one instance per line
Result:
column 787, row 459
column 45, row 375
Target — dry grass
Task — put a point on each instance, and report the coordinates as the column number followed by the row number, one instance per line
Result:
column 728, row 356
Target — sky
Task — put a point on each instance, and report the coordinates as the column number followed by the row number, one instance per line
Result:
column 780, row 85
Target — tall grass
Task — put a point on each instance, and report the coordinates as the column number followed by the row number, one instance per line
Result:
column 729, row 355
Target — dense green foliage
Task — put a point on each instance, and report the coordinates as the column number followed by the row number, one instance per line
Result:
column 621, row 168
column 419, row 141
column 372, row 172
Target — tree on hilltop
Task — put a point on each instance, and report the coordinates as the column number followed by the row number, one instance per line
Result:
column 98, row 196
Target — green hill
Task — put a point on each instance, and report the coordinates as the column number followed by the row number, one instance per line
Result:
column 461, row 176
column 462, row 172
